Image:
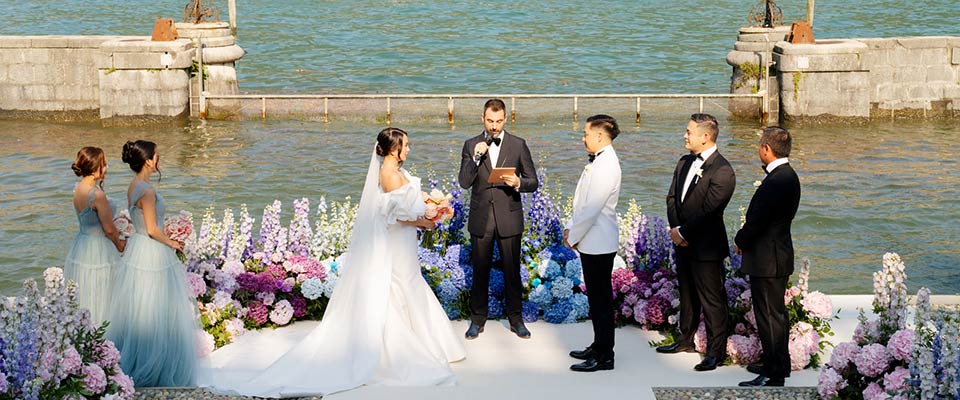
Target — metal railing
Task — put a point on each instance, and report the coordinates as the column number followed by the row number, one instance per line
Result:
column 205, row 96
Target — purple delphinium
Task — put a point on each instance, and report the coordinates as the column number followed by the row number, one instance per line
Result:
column 300, row 232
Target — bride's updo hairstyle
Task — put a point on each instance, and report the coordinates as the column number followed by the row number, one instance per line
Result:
column 137, row 153
column 90, row 160
column 390, row 140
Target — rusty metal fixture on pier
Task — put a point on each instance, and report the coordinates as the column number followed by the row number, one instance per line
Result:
column 766, row 13
column 195, row 12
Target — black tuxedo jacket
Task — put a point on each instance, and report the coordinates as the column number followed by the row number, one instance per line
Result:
column 507, row 207
column 700, row 215
column 765, row 239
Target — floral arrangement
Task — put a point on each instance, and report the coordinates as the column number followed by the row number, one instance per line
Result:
column 124, row 224
column 876, row 364
column 178, row 227
column 50, row 349
column 934, row 371
column 438, row 206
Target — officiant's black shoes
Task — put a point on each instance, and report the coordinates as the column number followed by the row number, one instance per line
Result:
column 709, row 363
column 520, row 330
column 762, row 381
column 676, row 348
column 473, row 331
column 584, row 354
column 592, row 364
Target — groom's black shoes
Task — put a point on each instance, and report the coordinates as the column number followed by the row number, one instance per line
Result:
column 676, row 348
column 593, row 364
column 474, row 330
column 520, row 329
column 584, row 354
column 757, row 368
column 761, row 381
column 709, row 363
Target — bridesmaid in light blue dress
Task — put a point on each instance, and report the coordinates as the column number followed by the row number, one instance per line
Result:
column 94, row 257
column 153, row 322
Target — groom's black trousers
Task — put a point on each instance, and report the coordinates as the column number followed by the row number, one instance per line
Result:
column 482, row 256
column 597, row 271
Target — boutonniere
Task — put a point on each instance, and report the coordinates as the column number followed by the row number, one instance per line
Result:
column 699, row 172
column 586, row 168
column 757, row 183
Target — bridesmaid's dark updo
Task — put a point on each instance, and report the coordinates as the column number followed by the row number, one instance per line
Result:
column 90, row 160
column 137, row 153
column 390, row 140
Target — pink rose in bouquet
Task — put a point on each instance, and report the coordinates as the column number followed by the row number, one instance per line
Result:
column 438, row 206
column 124, row 224
column 179, row 227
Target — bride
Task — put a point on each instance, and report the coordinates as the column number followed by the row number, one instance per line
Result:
column 383, row 324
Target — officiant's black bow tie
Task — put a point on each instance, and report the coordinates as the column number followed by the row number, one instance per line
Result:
column 492, row 139
column 592, row 157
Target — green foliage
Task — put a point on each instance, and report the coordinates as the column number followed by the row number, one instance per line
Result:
column 749, row 72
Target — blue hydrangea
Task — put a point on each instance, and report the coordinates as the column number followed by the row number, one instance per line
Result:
column 553, row 270
column 496, row 282
column 453, row 312
column 494, row 308
column 573, row 270
column 541, row 296
column 530, row 312
column 558, row 312
column 562, row 288
column 312, row 288
column 580, row 305
column 448, row 291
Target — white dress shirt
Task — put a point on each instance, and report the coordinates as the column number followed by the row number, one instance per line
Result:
column 697, row 163
column 493, row 150
column 775, row 163
column 593, row 224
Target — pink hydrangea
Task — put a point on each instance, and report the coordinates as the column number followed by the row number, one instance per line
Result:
column 257, row 312
column 94, row 379
column 864, row 334
column 843, row 354
column 124, row 384
column 896, row 379
column 197, row 286
column 700, row 338
column 71, row 362
column 818, row 305
column 233, row 268
column 205, row 343
column 744, row 350
column 107, row 355
column 874, row 392
column 282, row 312
column 751, row 318
column 830, row 383
column 901, row 344
column 799, row 352
column 623, row 280
column 873, row 360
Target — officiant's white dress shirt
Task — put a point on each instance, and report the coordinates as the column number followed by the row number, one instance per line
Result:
column 593, row 225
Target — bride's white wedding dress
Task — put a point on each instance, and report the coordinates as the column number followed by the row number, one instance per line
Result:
column 383, row 325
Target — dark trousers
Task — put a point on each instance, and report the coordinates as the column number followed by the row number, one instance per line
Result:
column 773, row 324
column 702, row 290
column 482, row 257
column 597, row 270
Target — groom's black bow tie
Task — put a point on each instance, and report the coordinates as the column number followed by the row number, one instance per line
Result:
column 592, row 157
column 493, row 139
column 699, row 156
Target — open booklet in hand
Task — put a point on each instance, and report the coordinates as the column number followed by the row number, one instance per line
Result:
column 495, row 175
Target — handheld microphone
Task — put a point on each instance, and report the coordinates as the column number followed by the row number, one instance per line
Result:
column 488, row 140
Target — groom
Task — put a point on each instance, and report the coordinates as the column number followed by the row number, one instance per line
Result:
column 592, row 231
column 496, row 213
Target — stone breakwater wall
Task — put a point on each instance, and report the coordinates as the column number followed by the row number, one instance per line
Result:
column 849, row 79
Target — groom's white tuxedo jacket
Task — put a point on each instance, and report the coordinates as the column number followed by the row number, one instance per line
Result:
column 593, row 224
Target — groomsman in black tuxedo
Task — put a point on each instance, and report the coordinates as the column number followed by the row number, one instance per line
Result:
column 767, row 248
column 496, row 213
column 703, row 183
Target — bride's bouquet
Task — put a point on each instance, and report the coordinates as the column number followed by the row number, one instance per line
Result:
column 124, row 224
column 179, row 227
column 438, row 206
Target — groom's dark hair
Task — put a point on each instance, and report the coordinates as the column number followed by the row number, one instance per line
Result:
column 605, row 123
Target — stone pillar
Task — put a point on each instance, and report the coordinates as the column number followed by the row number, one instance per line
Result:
column 752, row 50
column 220, row 54
column 823, row 81
column 144, row 81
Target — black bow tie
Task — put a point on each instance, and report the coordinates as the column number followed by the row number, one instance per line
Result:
column 700, row 156
column 592, row 157
column 493, row 139
column 764, row 168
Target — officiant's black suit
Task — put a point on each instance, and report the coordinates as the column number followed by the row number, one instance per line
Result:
column 496, row 214
column 767, row 248
column 700, row 270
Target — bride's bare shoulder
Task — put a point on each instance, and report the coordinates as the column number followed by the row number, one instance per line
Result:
column 390, row 179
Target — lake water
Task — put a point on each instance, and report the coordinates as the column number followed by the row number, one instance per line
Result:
column 866, row 189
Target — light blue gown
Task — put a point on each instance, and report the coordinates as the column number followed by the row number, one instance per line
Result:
column 92, row 262
column 153, row 321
